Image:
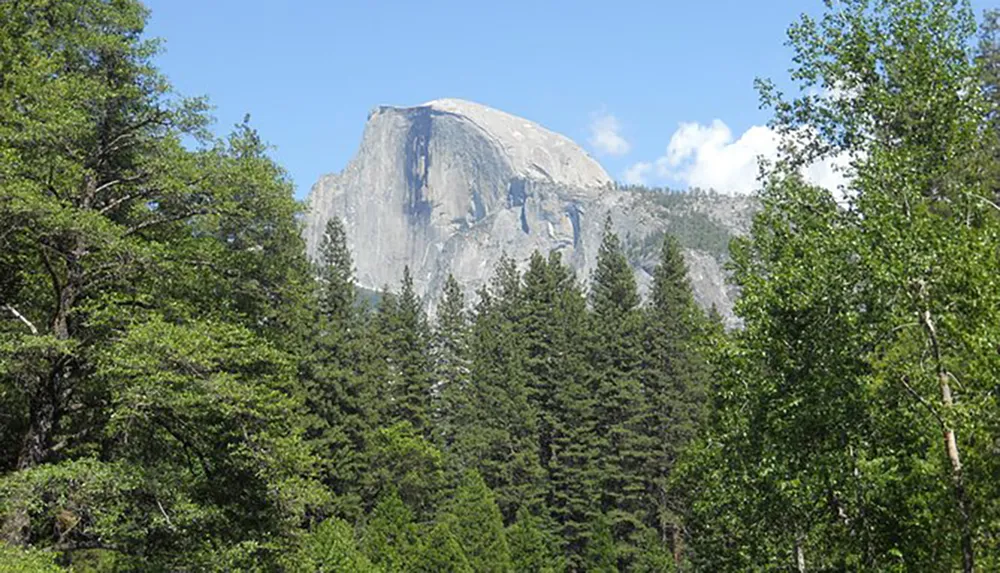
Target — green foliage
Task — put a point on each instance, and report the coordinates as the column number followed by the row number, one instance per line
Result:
column 402, row 461
column 154, row 411
column 557, row 331
column 340, row 385
column 389, row 536
column 654, row 555
column 499, row 435
column 532, row 548
column 853, row 410
column 408, row 342
column 601, row 554
column 331, row 548
column 452, row 364
column 441, row 551
column 19, row 560
column 475, row 521
column 336, row 275
column 676, row 379
column 181, row 390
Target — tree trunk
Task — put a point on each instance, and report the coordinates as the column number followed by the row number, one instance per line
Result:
column 958, row 482
column 800, row 555
column 45, row 402
column 38, row 440
column 677, row 541
column 951, row 446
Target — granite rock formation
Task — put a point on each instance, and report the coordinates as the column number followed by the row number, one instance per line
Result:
column 450, row 185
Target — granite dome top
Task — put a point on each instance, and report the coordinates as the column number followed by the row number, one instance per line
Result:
column 533, row 151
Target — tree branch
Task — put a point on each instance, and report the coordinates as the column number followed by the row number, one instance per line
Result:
column 164, row 512
column 22, row 318
column 922, row 400
column 127, row 197
column 129, row 131
column 162, row 220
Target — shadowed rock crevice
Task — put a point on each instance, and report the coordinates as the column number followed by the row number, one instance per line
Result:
column 418, row 160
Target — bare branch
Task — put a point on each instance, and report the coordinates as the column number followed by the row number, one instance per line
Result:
column 113, row 182
column 22, row 318
column 164, row 512
column 144, row 193
column 107, row 185
column 985, row 200
column 128, row 197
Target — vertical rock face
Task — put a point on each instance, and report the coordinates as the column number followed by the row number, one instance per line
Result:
column 449, row 186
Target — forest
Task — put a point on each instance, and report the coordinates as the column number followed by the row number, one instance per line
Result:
column 181, row 389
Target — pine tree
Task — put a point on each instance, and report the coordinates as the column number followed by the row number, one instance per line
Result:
column 617, row 356
column 441, row 552
column 477, row 524
column 400, row 459
column 411, row 368
column 389, row 535
column 331, row 548
column 601, row 554
column 499, row 436
column 339, row 392
column 542, row 334
column 452, row 363
column 532, row 547
column 556, row 326
column 675, row 381
column 336, row 274
column 380, row 361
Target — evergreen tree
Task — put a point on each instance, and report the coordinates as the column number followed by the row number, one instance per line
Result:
column 407, row 337
column 572, row 490
column 452, row 363
column 379, row 357
column 331, row 548
column 389, row 534
column 336, row 276
column 617, row 358
column 542, row 334
column 339, row 391
column 402, row 460
column 475, row 521
column 532, row 547
column 499, row 438
column 553, row 329
column 602, row 551
column 675, row 380
column 441, row 552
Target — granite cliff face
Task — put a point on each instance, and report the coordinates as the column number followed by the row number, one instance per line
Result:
column 450, row 185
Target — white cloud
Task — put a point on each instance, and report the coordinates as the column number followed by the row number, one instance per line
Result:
column 637, row 172
column 709, row 156
column 605, row 136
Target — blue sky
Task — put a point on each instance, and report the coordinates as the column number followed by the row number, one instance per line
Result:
column 627, row 80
